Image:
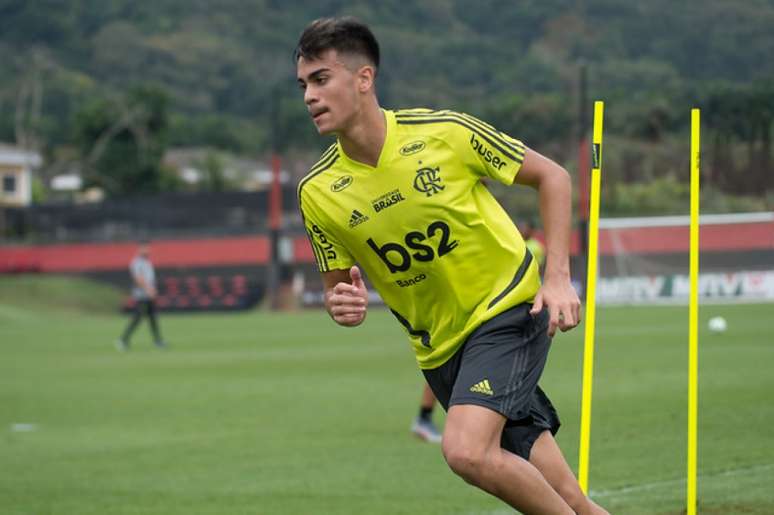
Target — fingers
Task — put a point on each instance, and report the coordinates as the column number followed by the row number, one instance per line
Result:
column 350, row 320
column 357, row 277
column 346, row 289
column 563, row 316
column 347, row 310
column 347, row 304
column 568, row 316
column 553, row 321
column 537, row 307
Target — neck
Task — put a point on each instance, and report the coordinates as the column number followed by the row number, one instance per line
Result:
column 363, row 140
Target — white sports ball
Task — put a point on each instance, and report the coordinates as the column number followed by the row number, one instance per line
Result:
column 717, row 324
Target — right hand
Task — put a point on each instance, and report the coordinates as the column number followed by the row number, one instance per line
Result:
column 561, row 300
column 347, row 303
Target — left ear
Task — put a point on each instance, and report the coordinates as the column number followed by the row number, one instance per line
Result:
column 365, row 78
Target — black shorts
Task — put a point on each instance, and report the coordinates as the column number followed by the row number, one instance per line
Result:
column 498, row 367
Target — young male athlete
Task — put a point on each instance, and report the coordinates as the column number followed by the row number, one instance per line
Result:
column 400, row 193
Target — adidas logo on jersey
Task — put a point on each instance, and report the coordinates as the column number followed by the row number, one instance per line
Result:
column 357, row 218
column 482, row 387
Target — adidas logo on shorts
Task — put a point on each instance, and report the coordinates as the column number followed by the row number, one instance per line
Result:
column 482, row 387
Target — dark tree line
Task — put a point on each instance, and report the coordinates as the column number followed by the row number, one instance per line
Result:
column 109, row 85
column 741, row 119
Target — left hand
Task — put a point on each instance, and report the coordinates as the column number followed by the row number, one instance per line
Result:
column 558, row 295
column 347, row 303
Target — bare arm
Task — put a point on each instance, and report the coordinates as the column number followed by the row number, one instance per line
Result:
column 346, row 297
column 555, row 189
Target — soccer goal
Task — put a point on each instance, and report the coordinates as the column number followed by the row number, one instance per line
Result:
column 645, row 260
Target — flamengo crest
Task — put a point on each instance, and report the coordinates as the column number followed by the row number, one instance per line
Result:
column 428, row 181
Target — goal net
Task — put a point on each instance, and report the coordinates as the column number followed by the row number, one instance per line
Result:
column 645, row 260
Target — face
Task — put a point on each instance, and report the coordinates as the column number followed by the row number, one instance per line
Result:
column 144, row 250
column 333, row 90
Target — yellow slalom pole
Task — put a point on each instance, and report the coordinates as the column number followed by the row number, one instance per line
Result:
column 693, row 314
column 591, row 288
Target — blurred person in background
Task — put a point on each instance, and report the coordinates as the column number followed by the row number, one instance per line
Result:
column 534, row 245
column 400, row 194
column 423, row 426
column 144, row 293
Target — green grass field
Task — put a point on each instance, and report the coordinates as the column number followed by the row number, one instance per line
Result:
column 268, row 414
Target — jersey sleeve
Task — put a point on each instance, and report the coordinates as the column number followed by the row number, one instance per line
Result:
column 487, row 151
column 329, row 253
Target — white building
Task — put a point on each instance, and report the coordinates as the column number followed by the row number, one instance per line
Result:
column 16, row 167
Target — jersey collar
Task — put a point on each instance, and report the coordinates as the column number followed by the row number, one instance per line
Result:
column 387, row 148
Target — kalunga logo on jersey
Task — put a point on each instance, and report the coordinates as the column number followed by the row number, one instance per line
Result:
column 341, row 183
column 388, row 199
column 428, row 181
column 412, row 148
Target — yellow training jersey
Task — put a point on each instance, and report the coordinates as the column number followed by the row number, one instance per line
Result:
column 434, row 242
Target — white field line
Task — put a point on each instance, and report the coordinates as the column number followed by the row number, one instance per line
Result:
column 644, row 487
column 23, row 427
column 655, row 485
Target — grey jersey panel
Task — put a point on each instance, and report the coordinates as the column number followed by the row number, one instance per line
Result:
column 142, row 267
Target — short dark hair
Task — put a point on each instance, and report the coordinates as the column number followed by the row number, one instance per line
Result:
column 346, row 35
